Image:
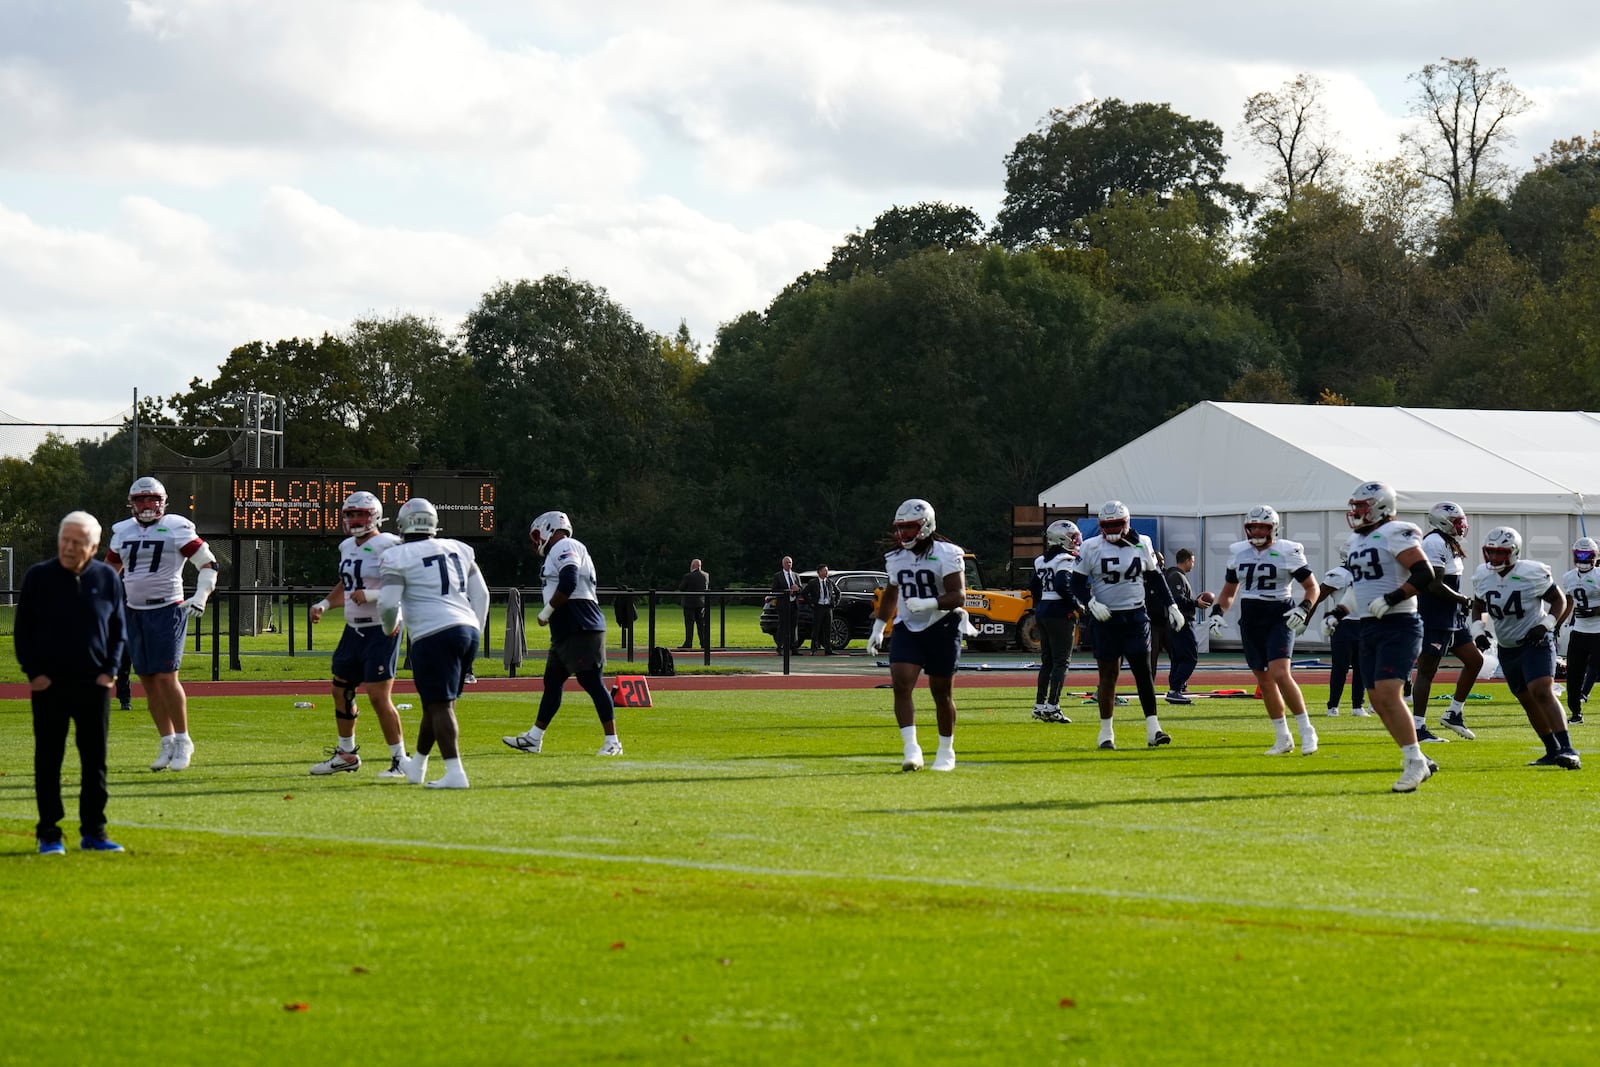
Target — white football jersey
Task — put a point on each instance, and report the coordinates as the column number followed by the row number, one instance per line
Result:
column 151, row 558
column 1584, row 589
column 1338, row 578
column 1437, row 549
column 1514, row 600
column 1116, row 571
column 358, row 569
column 1047, row 569
column 922, row 576
column 433, row 576
column 569, row 552
column 1374, row 564
column 1266, row 573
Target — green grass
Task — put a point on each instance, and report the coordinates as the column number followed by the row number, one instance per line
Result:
column 756, row 883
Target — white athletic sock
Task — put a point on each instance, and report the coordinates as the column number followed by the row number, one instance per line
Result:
column 1419, row 721
column 1152, row 726
column 536, row 733
column 1282, row 726
column 908, row 735
column 947, row 744
column 347, row 744
column 1456, row 707
column 398, row 750
column 1106, row 731
column 453, row 766
column 1411, row 752
column 184, row 736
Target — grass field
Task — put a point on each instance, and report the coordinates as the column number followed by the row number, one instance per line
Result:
column 755, row 882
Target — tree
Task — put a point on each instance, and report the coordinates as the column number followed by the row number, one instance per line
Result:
column 1546, row 211
column 904, row 231
column 1466, row 110
column 1067, row 169
column 1289, row 126
column 574, row 416
column 1157, row 249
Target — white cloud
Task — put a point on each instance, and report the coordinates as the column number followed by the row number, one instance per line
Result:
column 178, row 177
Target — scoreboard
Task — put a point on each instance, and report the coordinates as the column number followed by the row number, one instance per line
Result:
column 269, row 504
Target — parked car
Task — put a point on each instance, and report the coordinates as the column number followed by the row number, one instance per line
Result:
column 852, row 615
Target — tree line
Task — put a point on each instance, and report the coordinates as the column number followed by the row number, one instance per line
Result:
column 1123, row 280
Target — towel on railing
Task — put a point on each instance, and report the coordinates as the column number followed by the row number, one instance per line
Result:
column 514, row 646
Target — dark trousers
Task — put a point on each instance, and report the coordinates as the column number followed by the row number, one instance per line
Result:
column 696, row 619
column 1183, row 650
column 1055, row 656
column 822, row 628
column 87, row 707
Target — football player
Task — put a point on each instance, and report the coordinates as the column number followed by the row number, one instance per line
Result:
column 1444, row 622
column 1582, row 587
column 577, row 631
column 926, row 598
column 1108, row 578
column 1523, row 599
column 1262, row 569
column 435, row 581
column 1344, row 637
column 1387, row 571
column 150, row 550
column 367, row 653
column 1055, row 609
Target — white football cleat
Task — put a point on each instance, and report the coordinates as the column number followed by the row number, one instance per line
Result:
column 415, row 767
column 451, row 780
column 164, row 757
column 1308, row 742
column 1282, row 748
column 394, row 771
column 1417, row 771
column 913, row 758
column 943, row 760
column 612, row 747
column 182, row 752
column 524, row 742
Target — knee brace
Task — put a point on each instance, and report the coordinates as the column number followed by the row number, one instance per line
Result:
column 351, row 712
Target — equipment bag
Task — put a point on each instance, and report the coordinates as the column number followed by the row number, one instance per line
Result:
column 661, row 662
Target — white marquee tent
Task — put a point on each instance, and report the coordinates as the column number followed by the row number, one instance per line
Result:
column 1199, row 473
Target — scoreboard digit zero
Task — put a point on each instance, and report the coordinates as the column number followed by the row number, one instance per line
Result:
column 270, row 504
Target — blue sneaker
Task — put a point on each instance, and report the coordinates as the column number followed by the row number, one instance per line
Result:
column 98, row 844
column 52, row 848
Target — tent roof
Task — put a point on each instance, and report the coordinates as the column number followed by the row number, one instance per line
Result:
column 1223, row 459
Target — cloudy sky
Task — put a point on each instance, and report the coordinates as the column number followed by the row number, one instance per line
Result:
column 178, row 177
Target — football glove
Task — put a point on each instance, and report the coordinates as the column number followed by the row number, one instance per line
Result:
column 922, row 605
column 1297, row 620
column 1216, row 624
column 1330, row 626
column 1379, row 607
column 544, row 615
column 194, row 607
column 1480, row 635
column 1174, row 618
column 1099, row 610
column 875, row 641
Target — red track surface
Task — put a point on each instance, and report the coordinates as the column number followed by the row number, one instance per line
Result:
column 864, row 678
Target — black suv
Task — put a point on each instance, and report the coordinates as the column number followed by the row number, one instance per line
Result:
column 852, row 615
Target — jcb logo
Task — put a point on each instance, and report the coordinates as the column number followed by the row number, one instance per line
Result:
column 992, row 629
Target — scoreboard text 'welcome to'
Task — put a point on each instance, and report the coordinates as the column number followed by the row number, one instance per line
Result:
column 306, row 503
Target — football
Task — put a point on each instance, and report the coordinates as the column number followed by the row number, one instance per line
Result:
column 1206, row 599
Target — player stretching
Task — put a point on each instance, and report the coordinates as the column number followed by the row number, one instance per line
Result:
column 150, row 549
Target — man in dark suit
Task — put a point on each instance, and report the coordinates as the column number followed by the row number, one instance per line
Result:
column 786, row 583
column 695, row 615
column 822, row 593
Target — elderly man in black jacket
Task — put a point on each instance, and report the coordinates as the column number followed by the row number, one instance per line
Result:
column 69, row 638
